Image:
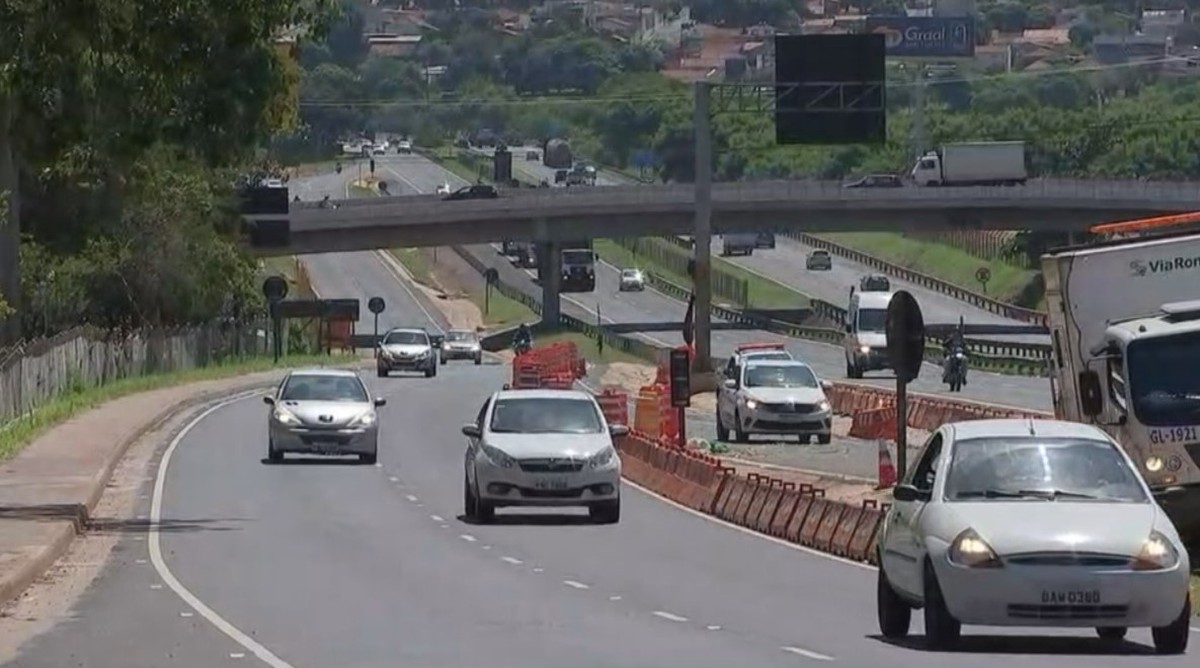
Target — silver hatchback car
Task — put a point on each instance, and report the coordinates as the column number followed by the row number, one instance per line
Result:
column 323, row 412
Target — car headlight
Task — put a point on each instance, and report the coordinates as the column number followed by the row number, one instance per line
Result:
column 498, row 456
column 864, row 349
column 365, row 420
column 971, row 551
column 602, row 458
column 751, row 404
column 823, row 406
column 1157, row 554
column 282, row 416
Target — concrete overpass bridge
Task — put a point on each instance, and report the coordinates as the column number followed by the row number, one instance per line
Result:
column 558, row 214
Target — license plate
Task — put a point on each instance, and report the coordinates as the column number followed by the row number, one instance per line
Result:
column 1071, row 597
column 551, row 484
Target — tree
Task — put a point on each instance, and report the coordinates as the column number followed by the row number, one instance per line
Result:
column 206, row 77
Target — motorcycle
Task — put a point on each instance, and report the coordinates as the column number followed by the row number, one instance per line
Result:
column 522, row 346
column 338, row 168
column 954, row 368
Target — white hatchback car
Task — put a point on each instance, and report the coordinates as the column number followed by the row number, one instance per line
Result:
column 1030, row 523
column 542, row 448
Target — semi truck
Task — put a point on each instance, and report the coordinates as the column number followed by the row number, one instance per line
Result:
column 1124, row 319
column 998, row 163
column 578, row 267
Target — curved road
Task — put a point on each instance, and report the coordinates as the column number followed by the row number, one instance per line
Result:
column 417, row 174
column 323, row 563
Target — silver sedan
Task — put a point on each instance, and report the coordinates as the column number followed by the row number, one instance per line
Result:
column 632, row 280
column 323, row 412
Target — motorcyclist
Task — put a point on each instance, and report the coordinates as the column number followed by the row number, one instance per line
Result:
column 523, row 340
column 338, row 167
column 953, row 344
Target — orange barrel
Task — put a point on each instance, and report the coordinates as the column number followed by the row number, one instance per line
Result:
column 645, row 414
column 614, row 403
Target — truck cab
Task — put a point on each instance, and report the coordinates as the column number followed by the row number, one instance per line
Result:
column 865, row 338
column 578, row 270
column 1126, row 356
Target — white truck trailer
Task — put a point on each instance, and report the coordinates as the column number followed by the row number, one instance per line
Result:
column 739, row 243
column 1125, row 330
column 996, row 163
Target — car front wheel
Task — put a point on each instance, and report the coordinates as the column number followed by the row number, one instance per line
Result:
column 608, row 512
column 895, row 615
column 1173, row 638
column 942, row 630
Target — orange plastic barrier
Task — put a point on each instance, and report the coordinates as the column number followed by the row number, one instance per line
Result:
column 614, row 403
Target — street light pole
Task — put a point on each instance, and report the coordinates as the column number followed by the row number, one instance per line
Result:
column 702, row 231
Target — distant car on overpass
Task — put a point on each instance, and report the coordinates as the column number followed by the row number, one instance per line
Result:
column 876, row 181
column 477, row 191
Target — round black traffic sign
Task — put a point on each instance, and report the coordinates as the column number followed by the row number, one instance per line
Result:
column 491, row 276
column 275, row 288
column 376, row 305
column 983, row 274
column 905, row 329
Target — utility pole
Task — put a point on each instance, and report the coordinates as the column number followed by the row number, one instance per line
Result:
column 10, row 226
column 920, row 143
column 702, row 230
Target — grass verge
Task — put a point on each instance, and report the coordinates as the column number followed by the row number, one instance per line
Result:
column 501, row 311
column 938, row 260
column 363, row 191
column 763, row 293
column 18, row 433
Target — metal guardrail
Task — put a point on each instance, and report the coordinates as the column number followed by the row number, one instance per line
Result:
column 975, row 299
column 802, row 194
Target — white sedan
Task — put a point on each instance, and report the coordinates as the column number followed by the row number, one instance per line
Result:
column 1030, row 523
column 443, row 189
column 632, row 280
column 542, row 448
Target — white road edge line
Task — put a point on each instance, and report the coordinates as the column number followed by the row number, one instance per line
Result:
column 160, row 565
column 393, row 265
column 807, row 653
column 670, row 616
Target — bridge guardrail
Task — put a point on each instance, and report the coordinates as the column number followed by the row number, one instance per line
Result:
column 976, row 299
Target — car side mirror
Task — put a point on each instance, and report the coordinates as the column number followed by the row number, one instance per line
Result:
column 849, row 328
column 472, row 431
column 1091, row 398
column 909, row 493
column 618, row 430
column 730, row 384
column 826, row 385
column 270, row 401
column 380, row 401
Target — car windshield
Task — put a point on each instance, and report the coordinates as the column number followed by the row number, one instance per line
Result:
column 780, row 375
column 820, row 254
column 630, row 273
column 1162, row 396
column 872, row 320
column 314, row 387
column 780, row 355
column 1058, row 469
column 406, row 338
column 545, row 416
column 460, row 336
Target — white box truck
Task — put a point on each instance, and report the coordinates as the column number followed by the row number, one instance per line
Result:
column 997, row 163
column 1124, row 322
column 739, row 243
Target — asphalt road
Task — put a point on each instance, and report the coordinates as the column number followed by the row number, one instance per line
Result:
column 326, row 564
column 418, row 174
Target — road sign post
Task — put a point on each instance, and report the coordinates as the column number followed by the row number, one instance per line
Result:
column 275, row 289
column 490, row 278
column 906, row 347
column 376, row 305
column 983, row 275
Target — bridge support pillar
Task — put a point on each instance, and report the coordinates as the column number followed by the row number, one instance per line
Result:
column 550, row 268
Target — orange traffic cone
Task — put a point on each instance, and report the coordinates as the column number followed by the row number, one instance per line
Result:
column 887, row 470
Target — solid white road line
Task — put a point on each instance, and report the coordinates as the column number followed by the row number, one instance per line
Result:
column 575, row 585
column 393, row 265
column 160, row 564
column 512, row 560
column 670, row 616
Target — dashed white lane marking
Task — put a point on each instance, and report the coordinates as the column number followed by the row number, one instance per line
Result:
column 444, row 526
column 378, row 465
column 185, row 614
column 485, row 547
column 437, row 518
column 156, row 586
column 713, row 627
column 538, row 570
column 160, row 564
column 807, row 653
column 410, row 497
column 139, row 561
column 467, row 537
column 393, row 478
column 670, row 616
column 512, row 560
column 1195, row 629
column 575, row 585
column 614, row 598
column 237, row 655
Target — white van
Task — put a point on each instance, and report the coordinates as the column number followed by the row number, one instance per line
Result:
column 865, row 341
